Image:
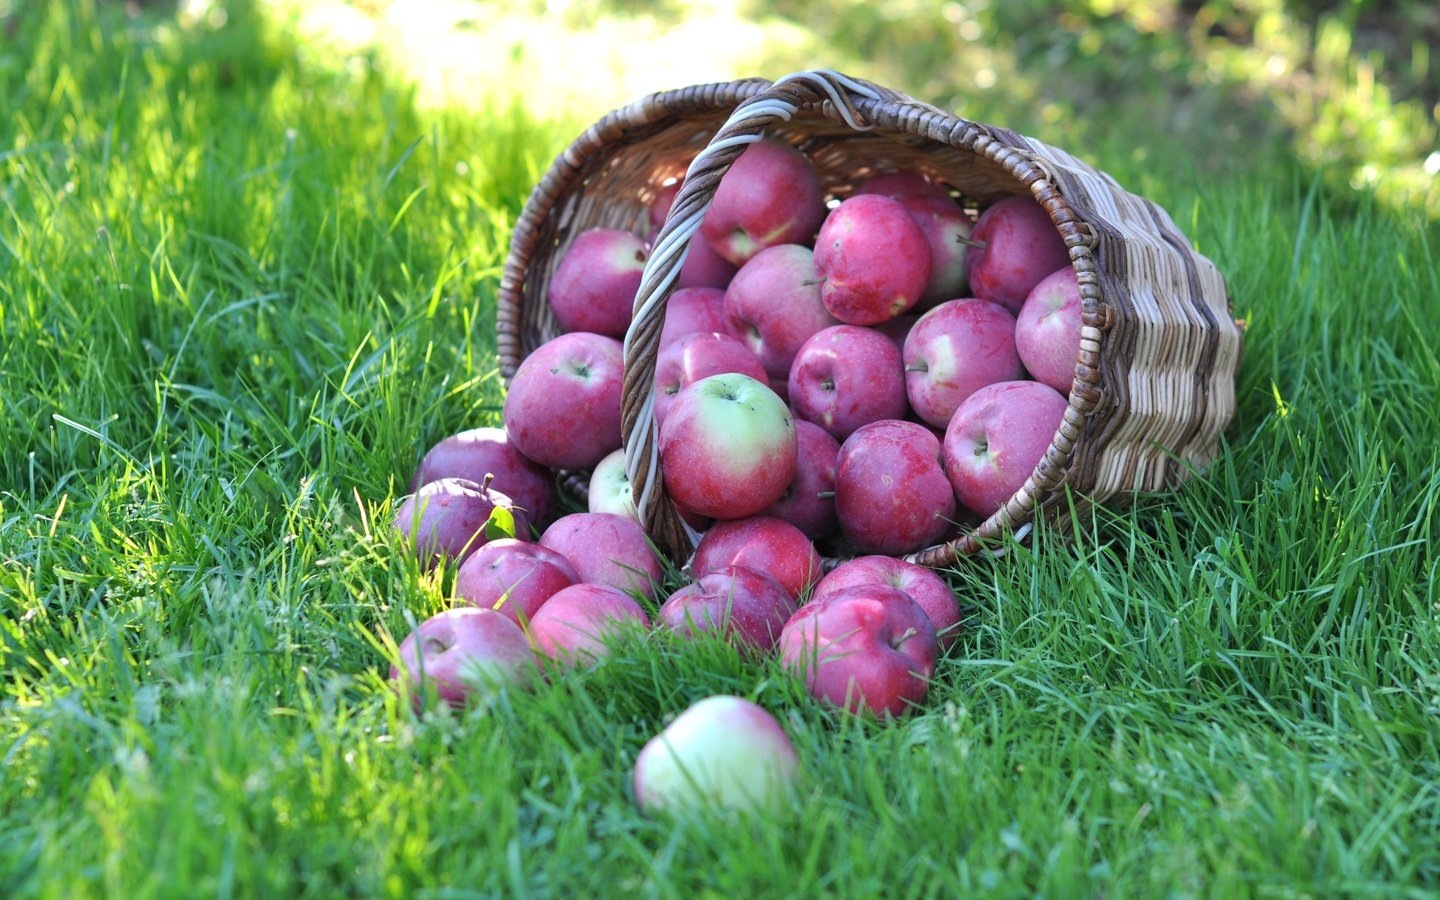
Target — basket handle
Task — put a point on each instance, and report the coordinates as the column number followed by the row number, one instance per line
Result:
column 746, row 125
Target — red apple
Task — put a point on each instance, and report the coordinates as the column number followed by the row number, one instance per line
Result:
column 1047, row 331
column 947, row 231
column 745, row 605
column 874, row 259
column 996, row 440
column 692, row 310
column 847, row 376
column 607, row 549
column 563, row 407
column 772, row 546
column 954, row 350
column 446, row 519
column 770, row 195
column 864, row 647
column 704, row 268
column 897, row 329
column 727, row 447
column 809, row 501
column 593, row 288
column 902, row 183
column 463, row 653
column 927, row 589
column 609, row 490
column 514, row 578
column 891, row 494
column 721, row 752
column 1015, row 245
column 478, row 452
column 577, row 622
column 664, row 199
column 773, row 305
column 696, row 356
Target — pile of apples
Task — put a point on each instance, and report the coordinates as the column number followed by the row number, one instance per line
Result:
column 863, row 375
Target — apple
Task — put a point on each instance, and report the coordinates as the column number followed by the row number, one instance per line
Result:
column 593, row 288
column 1047, row 331
column 703, row 267
column 874, row 259
column 997, row 438
column 660, row 204
column 954, row 350
column 866, row 647
column 1014, row 245
column 727, row 447
column 847, row 376
column 696, row 356
column 770, row 545
column 897, row 329
column 609, row 490
column 609, row 549
column 724, row 752
column 446, row 519
column 691, row 310
column 464, row 653
column 512, row 577
column 563, row 406
column 746, row 605
column 809, row 501
column 947, row 230
column 927, row 589
column 902, row 183
column 773, row 305
column 478, row 452
column 891, row 494
column 770, row 195
column 577, row 622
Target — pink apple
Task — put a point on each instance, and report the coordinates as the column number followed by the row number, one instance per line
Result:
column 902, row 183
column 696, row 356
column 463, row 653
column 770, row 195
column 1015, row 245
column 773, row 305
column 703, row 267
column 446, row 519
column 577, row 622
column 745, row 605
column 891, row 494
column 926, row 588
column 692, row 310
column 954, row 350
column 947, row 230
column 723, row 752
column 609, row 490
column 593, row 288
column 897, row 329
column 1047, row 331
column 514, row 578
column 563, row 407
column 727, row 447
column 996, row 440
column 874, row 259
column 864, row 647
column 847, row 376
column 664, row 199
column 607, row 549
column 478, row 452
column 809, row 501
column 772, row 546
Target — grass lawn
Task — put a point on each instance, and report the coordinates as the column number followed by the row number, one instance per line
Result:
column 241, row 291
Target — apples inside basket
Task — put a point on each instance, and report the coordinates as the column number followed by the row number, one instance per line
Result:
column 1139, row 404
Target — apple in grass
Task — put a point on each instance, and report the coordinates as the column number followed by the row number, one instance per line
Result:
column 773, row 305
column 722, row 751
column 609, row 549
column 576, row 623
column 927, row 589
column 1014, row 245
column 772, row 546
column 865, row 647
column 463, row 653
column 847, row 376
column 696, row 356
column 947, row 230
column 997, row 438
column 563, row 406
column 1047, row 331
column 745, row 605
column 446, row 519
column 954, row 350
column 891, row 493
column 693, row 310
column 514, row 578
column 478, row 452
column 770, row 195
column 593, row 288
column 727, row 447
column 809, row 501
column 874, row 259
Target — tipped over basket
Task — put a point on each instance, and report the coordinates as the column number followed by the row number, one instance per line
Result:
column 1154, row 382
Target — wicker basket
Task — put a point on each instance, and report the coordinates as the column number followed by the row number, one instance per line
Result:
column 1155, row 376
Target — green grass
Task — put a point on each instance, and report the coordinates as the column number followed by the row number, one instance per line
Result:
column 241, row 291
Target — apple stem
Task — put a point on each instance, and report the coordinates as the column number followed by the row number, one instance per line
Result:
column 825, row 495
column 485, row 482
column 917, row 367
column 905, row 636
column 963, row 239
